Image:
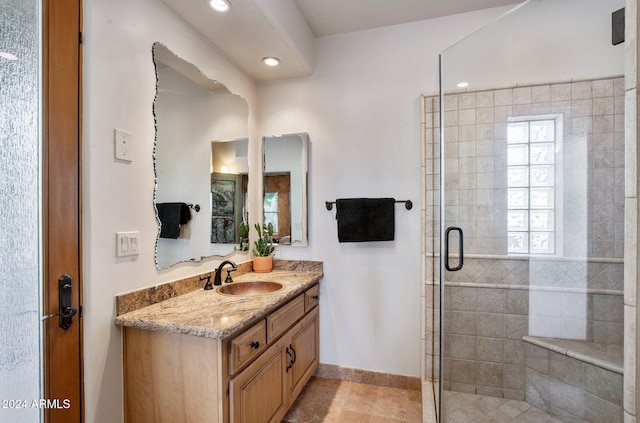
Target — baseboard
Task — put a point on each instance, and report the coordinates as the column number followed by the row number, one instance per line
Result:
column 330, row 371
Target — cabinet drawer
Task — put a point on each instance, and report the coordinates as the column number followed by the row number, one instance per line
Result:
column 281, row 319
column 247, row 345
column 311, row 297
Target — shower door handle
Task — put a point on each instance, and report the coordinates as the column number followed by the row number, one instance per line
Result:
column 446, row 249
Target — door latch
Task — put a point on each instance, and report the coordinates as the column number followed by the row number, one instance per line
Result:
column 65, row 302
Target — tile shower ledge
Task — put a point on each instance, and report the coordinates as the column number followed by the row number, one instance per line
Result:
column 525, row 287
column 213, row 315
column 606, row 356
column 536, row 258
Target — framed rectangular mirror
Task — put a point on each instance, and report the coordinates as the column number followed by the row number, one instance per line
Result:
column 286, row 187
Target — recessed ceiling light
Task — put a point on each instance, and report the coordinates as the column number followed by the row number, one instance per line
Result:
column 220, row 5
column 8, row 56
column 271, row 61
column 463, row 84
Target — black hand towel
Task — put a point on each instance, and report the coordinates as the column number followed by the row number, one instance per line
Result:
column 365, row 219
column 171, row 216
column 185, row 213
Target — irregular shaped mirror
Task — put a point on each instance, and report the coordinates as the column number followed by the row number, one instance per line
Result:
column 192, row 113
column 285, row 187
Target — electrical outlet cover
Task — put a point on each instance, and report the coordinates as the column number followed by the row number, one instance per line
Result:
column 123, row 145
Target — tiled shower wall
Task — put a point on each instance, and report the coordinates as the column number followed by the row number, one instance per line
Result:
column 496, row 298
column 592, row 161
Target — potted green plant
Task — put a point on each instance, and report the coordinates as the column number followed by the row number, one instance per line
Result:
column 263, row 249
column 243, row 233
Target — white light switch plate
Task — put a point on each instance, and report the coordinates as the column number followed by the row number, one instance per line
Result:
column 123, row 145
column 127, row 244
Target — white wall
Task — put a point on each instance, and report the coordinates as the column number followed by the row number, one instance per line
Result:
column 119, row 88
column 361, row 110
column 231, row 153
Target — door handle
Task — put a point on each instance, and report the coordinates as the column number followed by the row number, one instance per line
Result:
column 290, row 359
column 65, row 303
column 446, row 249
column 293, row 360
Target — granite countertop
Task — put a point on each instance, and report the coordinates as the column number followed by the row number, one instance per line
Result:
column 213, row 315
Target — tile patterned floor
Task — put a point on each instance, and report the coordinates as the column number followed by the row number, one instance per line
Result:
column 337, row 401
column 468, row 408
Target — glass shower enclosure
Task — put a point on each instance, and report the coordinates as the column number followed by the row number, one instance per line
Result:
column 20, row 278
column 524, row 168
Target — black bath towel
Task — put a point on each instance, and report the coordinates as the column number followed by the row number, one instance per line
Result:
column 171, row 216
column 365, row 219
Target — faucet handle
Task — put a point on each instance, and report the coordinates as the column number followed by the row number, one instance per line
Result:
column 207, row 286
column 228, row 278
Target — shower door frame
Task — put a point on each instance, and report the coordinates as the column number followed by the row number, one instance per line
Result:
column 441, row 239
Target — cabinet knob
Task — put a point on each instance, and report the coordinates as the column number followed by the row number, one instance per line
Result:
column 315, row 297
column 255, row 345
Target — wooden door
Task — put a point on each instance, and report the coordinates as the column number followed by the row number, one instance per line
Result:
column 305, row 344
column 61, row 206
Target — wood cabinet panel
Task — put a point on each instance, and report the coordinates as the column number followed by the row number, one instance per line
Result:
column 170, row 377
column 282, row 319
column 304, row 341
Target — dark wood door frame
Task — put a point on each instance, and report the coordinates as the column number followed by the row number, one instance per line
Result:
column 62, row 67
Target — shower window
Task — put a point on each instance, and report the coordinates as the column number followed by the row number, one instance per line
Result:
column 531, row 185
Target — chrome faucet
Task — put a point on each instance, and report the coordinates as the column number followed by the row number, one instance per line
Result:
column 217, row 280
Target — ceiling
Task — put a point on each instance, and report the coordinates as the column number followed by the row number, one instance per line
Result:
column 331, row 17
column 287, row 29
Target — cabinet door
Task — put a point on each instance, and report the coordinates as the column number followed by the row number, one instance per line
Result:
column 259, row 394
column 304, row 342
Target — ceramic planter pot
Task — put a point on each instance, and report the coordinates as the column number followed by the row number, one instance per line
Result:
column 262, row 264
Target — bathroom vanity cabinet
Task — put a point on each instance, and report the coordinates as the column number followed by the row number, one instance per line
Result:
column 251, row 377
column 264, row 391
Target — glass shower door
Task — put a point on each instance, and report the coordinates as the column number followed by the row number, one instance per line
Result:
column 20, row 269
column 531, row 244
